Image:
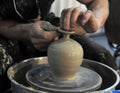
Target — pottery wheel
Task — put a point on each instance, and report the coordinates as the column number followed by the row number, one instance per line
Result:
column 40, row 77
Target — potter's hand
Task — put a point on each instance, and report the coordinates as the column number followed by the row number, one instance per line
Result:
column 78, row 20
column 42, row 34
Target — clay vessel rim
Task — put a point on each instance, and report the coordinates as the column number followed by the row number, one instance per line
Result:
column 65, row 32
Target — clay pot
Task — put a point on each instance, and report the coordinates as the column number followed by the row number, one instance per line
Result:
column 65, row 57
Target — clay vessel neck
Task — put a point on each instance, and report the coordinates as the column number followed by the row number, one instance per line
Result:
column 66, row 34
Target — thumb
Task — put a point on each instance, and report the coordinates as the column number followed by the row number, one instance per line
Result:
column 48, row 26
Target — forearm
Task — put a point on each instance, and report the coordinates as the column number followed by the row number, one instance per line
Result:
column 100, row 9
column 13, row 30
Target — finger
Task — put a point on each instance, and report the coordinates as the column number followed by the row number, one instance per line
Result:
column 93, row 26
column 74, row 17
column 50, row 36
column 92, row 23
column 66, row 19
column 61, row 18
column 47, row 26
column 86, row 17
column 40, row 44
column 36, row 41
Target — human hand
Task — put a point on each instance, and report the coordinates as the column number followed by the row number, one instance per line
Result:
column 78, row 20
column 42, row 33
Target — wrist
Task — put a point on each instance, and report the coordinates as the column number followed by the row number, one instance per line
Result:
column 29, row 30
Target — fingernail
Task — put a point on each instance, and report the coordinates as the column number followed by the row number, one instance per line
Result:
column 72, row 25
column 66, row 27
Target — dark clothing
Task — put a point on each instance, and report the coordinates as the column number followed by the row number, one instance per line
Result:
column 94, row 51
column 112, row 25
column 15, row 51
column 24, row 10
